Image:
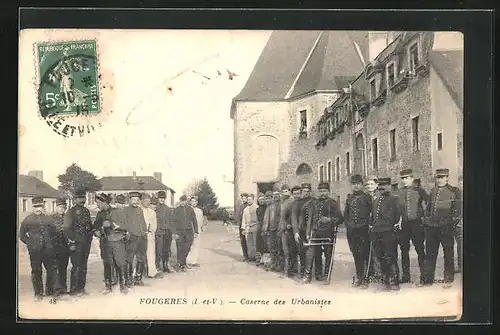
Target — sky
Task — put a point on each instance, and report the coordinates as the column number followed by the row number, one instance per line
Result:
column 184, row 132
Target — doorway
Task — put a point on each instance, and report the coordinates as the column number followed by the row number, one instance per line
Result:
column 264, row 187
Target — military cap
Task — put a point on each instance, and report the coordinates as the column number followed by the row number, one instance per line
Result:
column 372, row 177
column 442, row 172
column 183, row 198
column 193, row 197
column 162, row 195
column 154, row 201
column 269, row 193
column 145, row 196
column 356, row 179
column 251, row 196
column 80, row 193
column 406, row 173
column 262, row 196
column 37, row 202
column 323, row 186
column 295, row 188
column 120, row 198
column 305, row 185
column 60, row 201
column 384, row 181
column 244, row 195
column 103, row 197
column 134, row 194
column 285, row 187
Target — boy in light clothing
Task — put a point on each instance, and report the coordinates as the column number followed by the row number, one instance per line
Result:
column 151, row 224
column 250, row 226
column 192, row 258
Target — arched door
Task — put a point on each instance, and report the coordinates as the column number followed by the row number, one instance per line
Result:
column 303, row 173
column 359, row 155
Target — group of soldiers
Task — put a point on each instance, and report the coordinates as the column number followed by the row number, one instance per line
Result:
column 298, row 229
column 135, row 240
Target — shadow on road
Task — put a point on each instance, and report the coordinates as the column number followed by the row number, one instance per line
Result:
column 226, row 253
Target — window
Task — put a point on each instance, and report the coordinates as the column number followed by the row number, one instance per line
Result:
column 338, row 199
column 392, row 144
column 53, row 206
column 414, row 57
column 330, row 125
column 45, row 205
column 394, row 187
column 337, row 169
column 373, row 90
column 329, row 172
column 348, row 163
column 440, row 141
column 321, row 173
column 25, row 205
column 414, row 132
column 375, row 153
column 303, row 122
column 391, row 75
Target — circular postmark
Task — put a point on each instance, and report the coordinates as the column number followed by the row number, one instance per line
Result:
column 69, row 90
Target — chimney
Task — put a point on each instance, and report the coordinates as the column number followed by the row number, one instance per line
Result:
column 134, row 174
column 377, row 41
column 37, row 174
column 157, row 175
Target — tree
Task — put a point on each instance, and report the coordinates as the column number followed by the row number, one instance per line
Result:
column 207, row 200
column 75, row 178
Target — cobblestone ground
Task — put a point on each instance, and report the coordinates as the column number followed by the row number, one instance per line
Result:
column 224, row 287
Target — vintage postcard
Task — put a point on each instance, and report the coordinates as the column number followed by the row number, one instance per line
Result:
column 240, row 175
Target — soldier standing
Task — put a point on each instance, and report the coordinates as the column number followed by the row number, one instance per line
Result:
column 163, row 236
column 374, row 272
column 61, row 245
column 239, row 217
column 185, row 226
column 386, row 220
column 249, row 225
column 79, row 232
column 299, row 218
column 414, row 199
column 270, row 229
column 109, row 225
column 443, row 215
column 357, row 215
column 287, row 237
column 324, row 216
column 260, row 243
column 136, row 245
column 38, row 232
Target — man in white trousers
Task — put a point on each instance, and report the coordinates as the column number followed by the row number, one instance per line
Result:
column 192, row 259
column 148, row 208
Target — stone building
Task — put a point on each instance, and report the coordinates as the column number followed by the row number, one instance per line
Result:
column 320, row 106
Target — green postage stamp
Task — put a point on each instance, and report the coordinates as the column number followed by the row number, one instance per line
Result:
column 69, row 78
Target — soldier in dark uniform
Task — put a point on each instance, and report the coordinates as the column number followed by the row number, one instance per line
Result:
column 260, row 244
column 374, row 271
column 386, row 220
column 299, row 219
column 61, row 245
column 79, row 233
column 136, row 245
column 239, row 217
column 109, row 224
column 357, row 215
column 413, row 199
column 270, row 229
column 163, row 233
column 184, row 228
column 287, row 239
column 443, row 215
column 324, row 216
column 38, row 231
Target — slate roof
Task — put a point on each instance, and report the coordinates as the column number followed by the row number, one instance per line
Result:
column 449, row 67
column 333, row 62
column 129, row 183
column 30, row 186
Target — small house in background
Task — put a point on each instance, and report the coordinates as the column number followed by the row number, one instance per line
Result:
column 32, row 185
column 115, row 185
